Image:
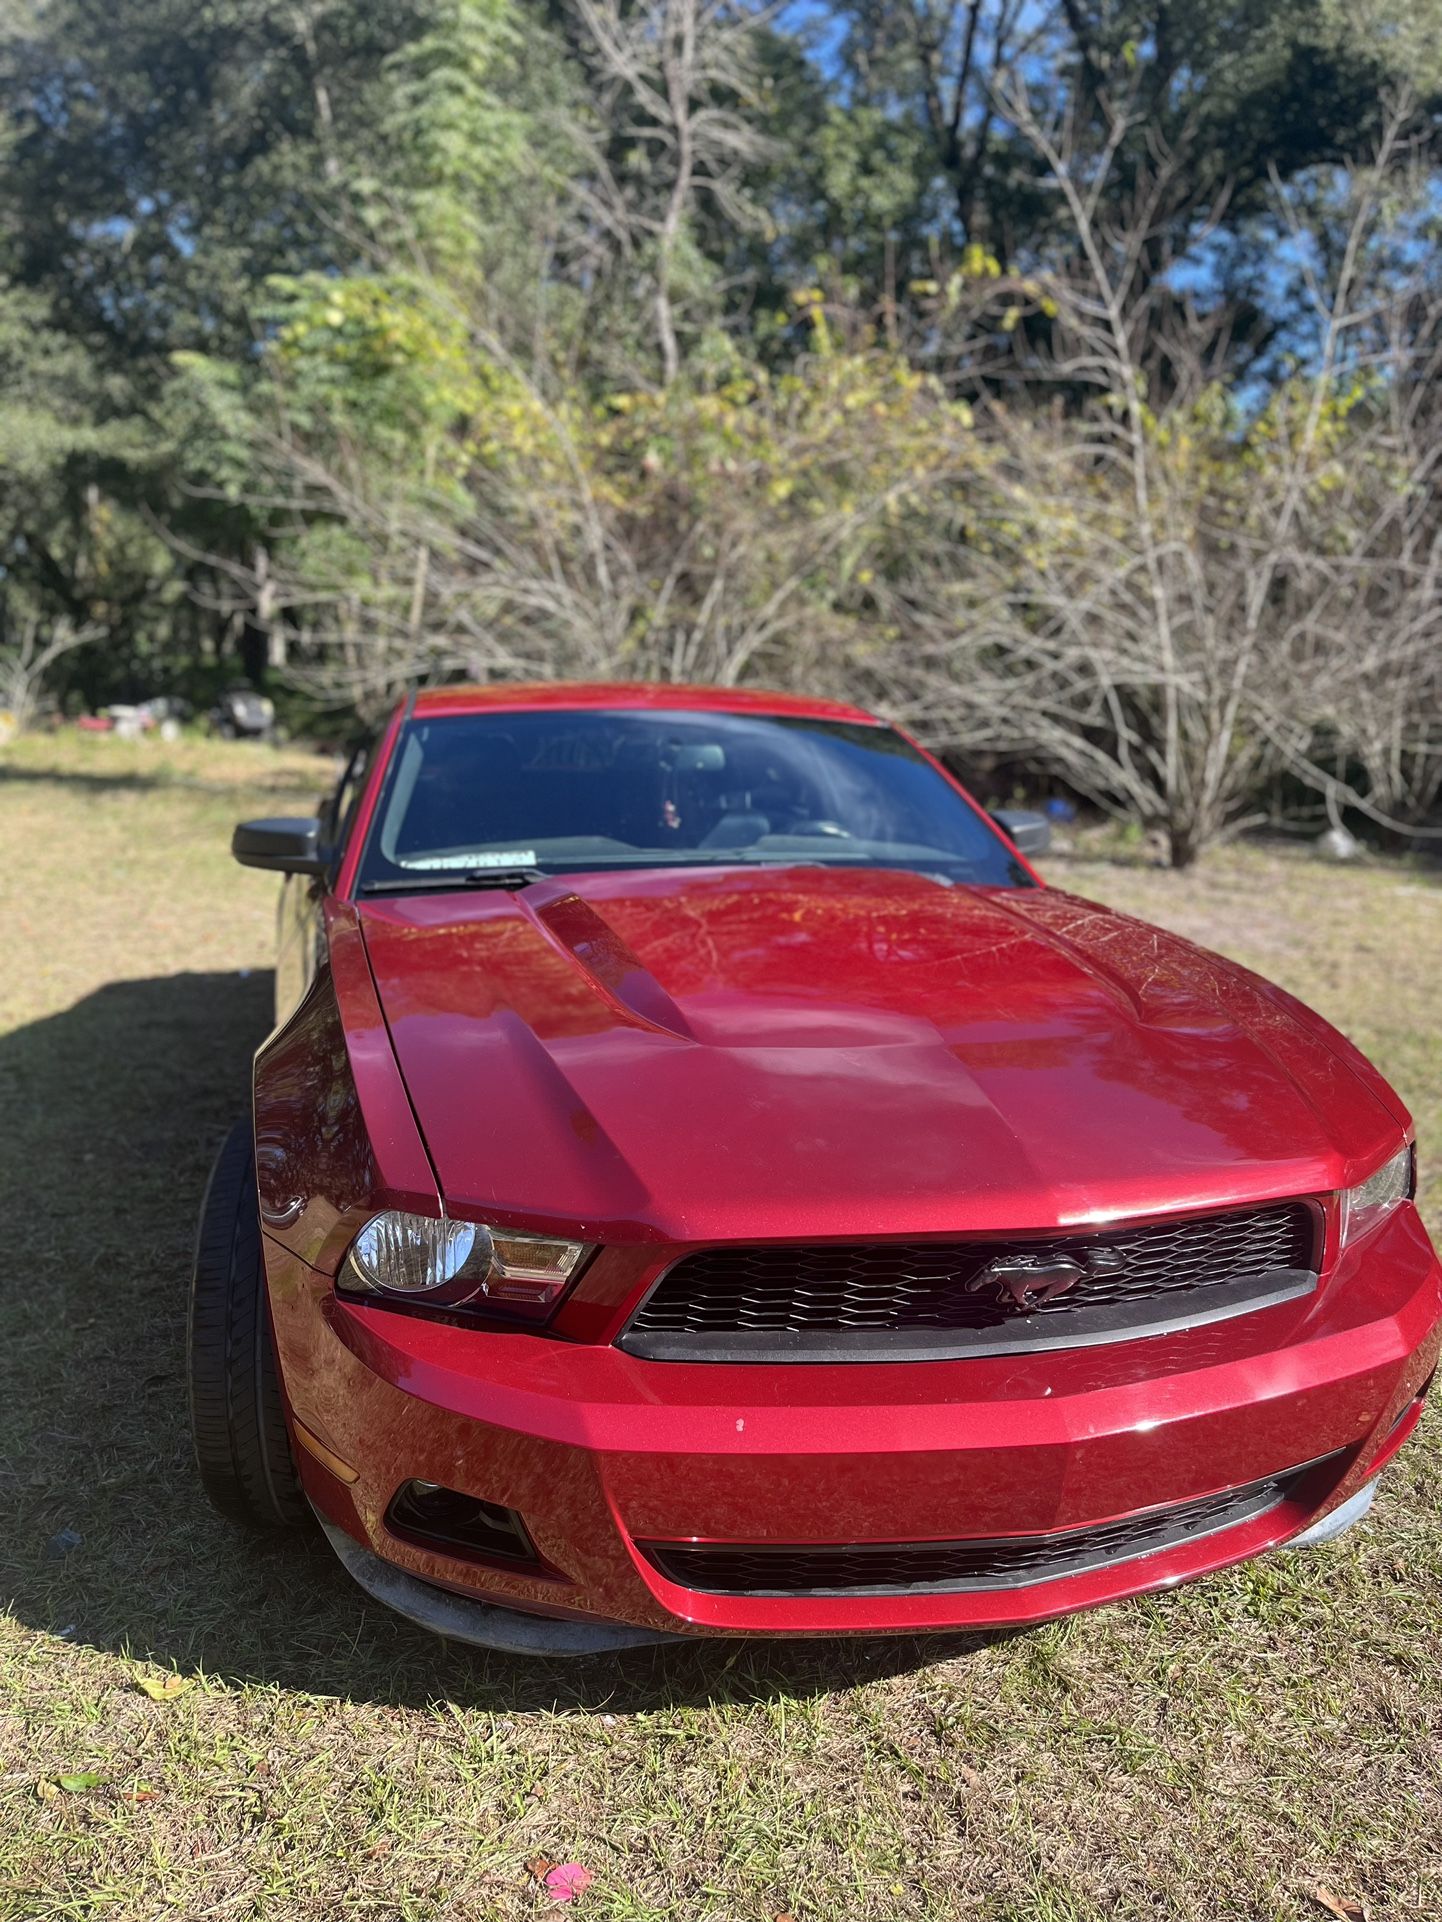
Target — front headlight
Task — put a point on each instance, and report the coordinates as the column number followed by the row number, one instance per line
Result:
column 460, row 1264
column 1368, row 1205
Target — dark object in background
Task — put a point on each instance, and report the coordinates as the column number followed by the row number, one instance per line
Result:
column 243, row 715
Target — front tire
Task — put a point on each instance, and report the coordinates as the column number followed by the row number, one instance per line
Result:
column 236, row 1416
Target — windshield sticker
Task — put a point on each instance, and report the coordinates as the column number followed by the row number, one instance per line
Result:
column 507, row 858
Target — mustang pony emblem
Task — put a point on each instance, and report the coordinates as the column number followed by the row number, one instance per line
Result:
column 1029, row 1281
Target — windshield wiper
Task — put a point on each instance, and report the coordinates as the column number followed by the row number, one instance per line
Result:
column 473, row 878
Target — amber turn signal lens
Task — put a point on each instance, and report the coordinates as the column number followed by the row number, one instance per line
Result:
column 313, row 1445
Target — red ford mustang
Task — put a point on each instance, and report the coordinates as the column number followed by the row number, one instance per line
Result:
column 703, row 1183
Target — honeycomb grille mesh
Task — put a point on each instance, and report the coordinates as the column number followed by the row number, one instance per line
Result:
column 741, row 1568
column 882, row 1285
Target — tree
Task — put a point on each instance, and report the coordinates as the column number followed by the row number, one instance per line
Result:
column 1064, row 372
column 74, row 562
column 161, row 164
column 1167, row 602
column 26, row 660
column 670, row 84
column 1240, row 94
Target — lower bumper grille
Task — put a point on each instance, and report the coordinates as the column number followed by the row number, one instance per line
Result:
column 920, row 1568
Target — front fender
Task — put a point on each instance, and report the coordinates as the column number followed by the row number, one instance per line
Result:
column 335, row 1135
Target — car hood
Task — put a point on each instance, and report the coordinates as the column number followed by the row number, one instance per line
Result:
column 699, row 1054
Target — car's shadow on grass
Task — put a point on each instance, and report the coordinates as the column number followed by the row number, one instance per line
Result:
column 109, row 1115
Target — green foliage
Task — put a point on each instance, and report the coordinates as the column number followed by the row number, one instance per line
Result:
column 342, row 338
column 368, row 358
column 453, row 138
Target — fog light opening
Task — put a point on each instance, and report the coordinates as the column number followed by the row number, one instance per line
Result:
column 442, row 1518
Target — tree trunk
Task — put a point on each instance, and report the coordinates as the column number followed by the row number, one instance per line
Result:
column 1185, row 842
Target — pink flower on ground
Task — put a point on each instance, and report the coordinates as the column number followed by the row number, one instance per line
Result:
column 567, row 1880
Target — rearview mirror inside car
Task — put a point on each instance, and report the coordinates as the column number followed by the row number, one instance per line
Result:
column 700, row 757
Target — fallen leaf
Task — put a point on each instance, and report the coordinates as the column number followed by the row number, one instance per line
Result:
column 1347, row 1907
column 46, row 1791
column 969, row 1775
column 783, row 1915
column 142, row 1792
column 540, row 1866
column 76, row 1784
column 567, row 1880
column 163, row 1688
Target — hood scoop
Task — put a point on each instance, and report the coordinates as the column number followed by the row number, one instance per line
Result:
column 589, row 941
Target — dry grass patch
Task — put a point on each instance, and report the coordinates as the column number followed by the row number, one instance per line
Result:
column 1218, row 1752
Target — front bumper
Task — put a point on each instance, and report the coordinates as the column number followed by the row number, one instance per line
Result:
column 466, row 1618
column 600, row 1451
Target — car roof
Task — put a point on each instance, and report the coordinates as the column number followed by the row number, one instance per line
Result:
column 513, row 695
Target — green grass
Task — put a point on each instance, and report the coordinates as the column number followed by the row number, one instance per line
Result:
column 1215, row 1753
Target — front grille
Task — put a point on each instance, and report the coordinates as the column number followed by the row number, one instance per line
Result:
column 920, row 1568
column 899, row 1300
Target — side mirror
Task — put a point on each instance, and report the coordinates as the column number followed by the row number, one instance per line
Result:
column 286, row 845
column 1030, row 833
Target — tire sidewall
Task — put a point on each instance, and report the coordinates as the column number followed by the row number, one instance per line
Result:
column 237, row 1414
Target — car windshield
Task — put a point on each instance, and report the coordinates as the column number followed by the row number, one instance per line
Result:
column 560, row 791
